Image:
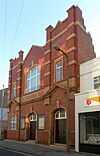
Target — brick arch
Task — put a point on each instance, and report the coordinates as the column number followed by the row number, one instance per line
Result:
column 29, row 114
column 52, row 122
column 28, row 124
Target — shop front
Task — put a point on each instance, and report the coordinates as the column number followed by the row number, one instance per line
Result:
column 87, row 122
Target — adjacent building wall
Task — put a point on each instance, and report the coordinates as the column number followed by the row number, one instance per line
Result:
column 4, row 111
column 88, row 71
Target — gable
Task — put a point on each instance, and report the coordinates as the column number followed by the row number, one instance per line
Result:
column 53, row 89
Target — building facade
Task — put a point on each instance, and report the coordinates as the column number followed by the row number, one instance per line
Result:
column 3, row 112
column 87, row 108
column 38, row 85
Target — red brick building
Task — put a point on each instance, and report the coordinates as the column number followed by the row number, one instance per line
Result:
column 37, row 84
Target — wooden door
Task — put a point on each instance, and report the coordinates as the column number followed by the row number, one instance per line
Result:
column 60, row 131
column 32, row 130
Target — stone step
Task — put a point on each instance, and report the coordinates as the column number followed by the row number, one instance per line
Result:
column 58, row 146
column 31, row 141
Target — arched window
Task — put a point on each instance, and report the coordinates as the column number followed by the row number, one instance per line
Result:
column 33, row 117
column 60, row 114
column 33, row 79
column 13, row 122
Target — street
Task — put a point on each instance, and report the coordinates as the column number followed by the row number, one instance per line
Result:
column 8, row 152
column 17, row 148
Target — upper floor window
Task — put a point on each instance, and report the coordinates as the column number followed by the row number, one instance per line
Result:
column 33, row 79
column 96, row 82
column 13, row 122
column 14, row 90
column 59, row 71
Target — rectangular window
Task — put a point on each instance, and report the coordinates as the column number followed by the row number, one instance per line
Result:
column 14, row 90
column 12, row 126
column 96, row 82
column 41, row 122
column 13, row 122
column 90, row 128
column 59, row 71
column 22, row 123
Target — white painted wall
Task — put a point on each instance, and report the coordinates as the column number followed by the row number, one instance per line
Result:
column 88, row 71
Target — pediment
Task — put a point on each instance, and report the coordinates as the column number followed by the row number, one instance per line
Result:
column 33, row 52
column 14, row 102
column 52, row 89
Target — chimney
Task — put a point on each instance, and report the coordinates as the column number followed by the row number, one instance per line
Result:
column 48, row 30
column 21, row 55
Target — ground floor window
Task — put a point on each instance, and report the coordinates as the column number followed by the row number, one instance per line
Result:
column 41, row 122
column 22, row 123
column 89, row 131
column 90, row 128
column 13, row 122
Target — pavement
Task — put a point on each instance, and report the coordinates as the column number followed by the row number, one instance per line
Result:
column 39, row 150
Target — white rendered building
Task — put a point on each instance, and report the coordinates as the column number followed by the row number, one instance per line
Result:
column 87, row 108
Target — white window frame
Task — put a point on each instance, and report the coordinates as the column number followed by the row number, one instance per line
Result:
column 13, row 122
column 97, row 82
column 36, row 78
column 59, row 70
column 59, row 114
column 41, row 122
column 33, row 117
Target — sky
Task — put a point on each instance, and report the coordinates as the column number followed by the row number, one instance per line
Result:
column 23, row 24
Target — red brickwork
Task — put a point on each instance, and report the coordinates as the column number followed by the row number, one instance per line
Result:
column 71, row 36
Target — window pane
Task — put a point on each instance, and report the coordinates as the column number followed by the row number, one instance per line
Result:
column 60, row 64
column 33, row 82
column 38, row 70
column 96, row 82
column 28, row 85
column 28, row 76
column 57, row 114
column 33, row 72
column 13, row 123
column 14, row 90
column 22, row 123
column 57, row 75
column 41, row 122
column 96, row 86
column 33, row 117
column 38, row 81
column 90, row 128
column 59, row 71
column 60, row 74
column 62, row 113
